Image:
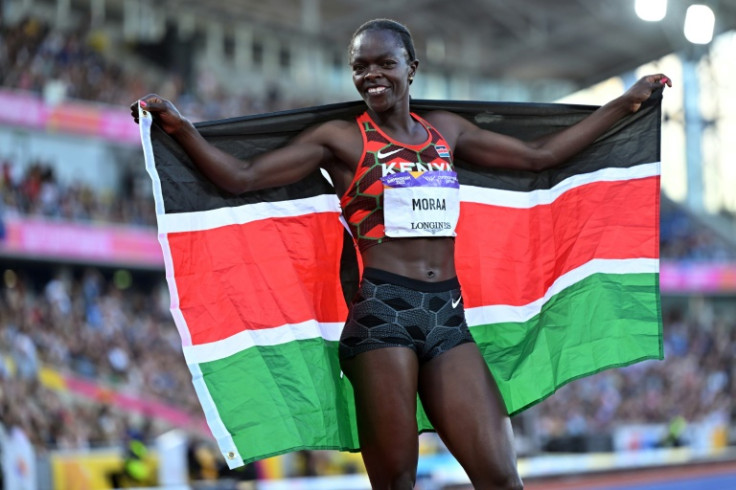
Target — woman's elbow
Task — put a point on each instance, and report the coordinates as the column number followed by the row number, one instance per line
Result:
column 543, row 160
column 236, row 185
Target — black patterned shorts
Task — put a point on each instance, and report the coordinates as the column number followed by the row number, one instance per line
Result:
column 390, row 310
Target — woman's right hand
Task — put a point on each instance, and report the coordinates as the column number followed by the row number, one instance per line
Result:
column 162, row 110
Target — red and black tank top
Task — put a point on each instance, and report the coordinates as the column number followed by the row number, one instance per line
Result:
column 362, row 203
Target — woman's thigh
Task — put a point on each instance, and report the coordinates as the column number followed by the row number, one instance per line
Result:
column 463, row 403
column 385, row 385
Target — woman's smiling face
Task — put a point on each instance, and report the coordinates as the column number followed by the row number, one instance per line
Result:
column 381, row 68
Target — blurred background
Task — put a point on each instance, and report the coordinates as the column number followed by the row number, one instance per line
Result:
column 94, row 390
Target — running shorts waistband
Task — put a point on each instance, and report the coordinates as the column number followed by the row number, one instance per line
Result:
column 378, row 276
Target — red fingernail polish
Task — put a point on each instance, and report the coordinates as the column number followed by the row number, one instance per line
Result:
column 142, row 103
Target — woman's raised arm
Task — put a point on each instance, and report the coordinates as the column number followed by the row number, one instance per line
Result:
column 490, row 149
column 281, row 166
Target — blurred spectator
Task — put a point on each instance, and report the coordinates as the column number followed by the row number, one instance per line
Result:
column 135, row 470
column 202, row 461
column 2, row 219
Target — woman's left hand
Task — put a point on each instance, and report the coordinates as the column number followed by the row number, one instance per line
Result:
column 642, row 89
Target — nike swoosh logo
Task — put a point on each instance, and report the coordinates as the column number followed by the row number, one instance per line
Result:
column 381, row 155
column 456, row 302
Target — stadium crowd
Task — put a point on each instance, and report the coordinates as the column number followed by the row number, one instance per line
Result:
column 36, row 57
column 35, row 191
column 85, row 64
column 94, row 328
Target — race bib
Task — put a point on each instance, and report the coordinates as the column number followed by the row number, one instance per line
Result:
column 421, row 204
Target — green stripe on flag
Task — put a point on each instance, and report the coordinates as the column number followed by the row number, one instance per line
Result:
column 282, row 398
column 603, row 321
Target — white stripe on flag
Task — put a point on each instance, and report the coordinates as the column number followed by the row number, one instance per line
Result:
column 145, row 121
column 326, row 203
column 177, row 315
column 483, row 315
column 216, row 218
column 223, row 437
column 312, row 329
column 529, row 199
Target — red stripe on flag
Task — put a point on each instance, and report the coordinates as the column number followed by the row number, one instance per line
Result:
column 236, row 277
column 523, row 251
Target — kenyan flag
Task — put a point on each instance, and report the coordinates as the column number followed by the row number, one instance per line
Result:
column 559, row 271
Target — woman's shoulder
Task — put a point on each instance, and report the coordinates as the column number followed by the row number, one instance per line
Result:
column 447, row 123
column 441, row 116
